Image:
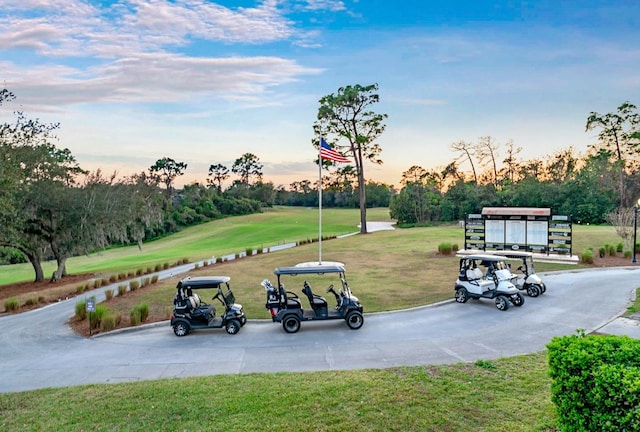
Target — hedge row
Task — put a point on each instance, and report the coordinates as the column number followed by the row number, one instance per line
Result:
column 596, row 382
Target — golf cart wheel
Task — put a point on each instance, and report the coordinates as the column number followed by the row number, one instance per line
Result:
column 233, row 326
column 462, row 295
column 502, row 303
column 517, row 299
column 181, row 329
column 533, row 291
column 541, row 288
column 354, row 320
column 291, row 324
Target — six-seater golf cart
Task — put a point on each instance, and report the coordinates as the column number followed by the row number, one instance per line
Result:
column 286, row 307
column 191, row 313
column 526, row 278
column 495, row 283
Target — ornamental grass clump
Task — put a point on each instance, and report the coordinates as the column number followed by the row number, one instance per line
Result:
column 81, row 310
column 445, row 248
column 587, row 257
column 11, row 304
column 134, row 285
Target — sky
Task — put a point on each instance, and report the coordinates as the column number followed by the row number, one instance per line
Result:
column 203, row 82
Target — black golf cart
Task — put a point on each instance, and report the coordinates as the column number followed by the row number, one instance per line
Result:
column 191, row 313
column 286, row 307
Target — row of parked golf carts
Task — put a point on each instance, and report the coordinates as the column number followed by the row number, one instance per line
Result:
column 486, row 275
column 191, row 312
column 490, row 276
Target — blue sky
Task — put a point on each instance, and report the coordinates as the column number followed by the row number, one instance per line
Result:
column 204, row 82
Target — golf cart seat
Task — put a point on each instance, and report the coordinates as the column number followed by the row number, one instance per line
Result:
column 289, row 302
column 474, row 274
column 316, row 301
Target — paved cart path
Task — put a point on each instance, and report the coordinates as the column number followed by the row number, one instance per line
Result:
column 38, row 350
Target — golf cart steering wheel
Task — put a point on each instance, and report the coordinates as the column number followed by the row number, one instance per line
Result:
column 330, row 288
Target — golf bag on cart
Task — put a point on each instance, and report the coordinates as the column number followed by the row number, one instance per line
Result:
column 273, row 298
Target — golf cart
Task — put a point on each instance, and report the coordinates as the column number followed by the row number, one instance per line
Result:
column 286, row 307
column 495, row 283
column 191, row 313
column 527, row 279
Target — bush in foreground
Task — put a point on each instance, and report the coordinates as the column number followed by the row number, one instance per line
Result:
column 596, row 382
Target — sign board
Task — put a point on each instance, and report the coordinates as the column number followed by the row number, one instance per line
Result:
column 90, row 305
column 519, row 228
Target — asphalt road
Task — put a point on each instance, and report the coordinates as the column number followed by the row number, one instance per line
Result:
column 38, row 350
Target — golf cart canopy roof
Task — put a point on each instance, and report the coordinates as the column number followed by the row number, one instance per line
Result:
column 308, row 268
column 484, row 257
column 203, row 282
column 514, row 254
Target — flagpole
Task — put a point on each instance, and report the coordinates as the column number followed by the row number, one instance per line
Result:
column 319, row 204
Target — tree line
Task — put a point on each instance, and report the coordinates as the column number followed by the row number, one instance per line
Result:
column 599, row 186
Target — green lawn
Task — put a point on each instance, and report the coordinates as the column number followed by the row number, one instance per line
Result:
column 279, row 225
column 511, row 394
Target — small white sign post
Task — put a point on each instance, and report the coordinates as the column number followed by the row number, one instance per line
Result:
column 90, row 306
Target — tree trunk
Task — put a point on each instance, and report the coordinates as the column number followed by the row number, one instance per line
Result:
column 362, row 194
column 33, row 257
column 61, row 271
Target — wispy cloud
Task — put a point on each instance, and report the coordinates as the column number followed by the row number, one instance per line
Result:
column 127, row 50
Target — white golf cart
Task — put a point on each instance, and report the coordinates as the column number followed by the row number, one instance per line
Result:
column 526, row 277
column 494, row 283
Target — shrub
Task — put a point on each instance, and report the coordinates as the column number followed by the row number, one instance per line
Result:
column 122, row 289
column 11, row 304
column 595, row 382
column 144, row 311
column 97, row 283
column 185, row 260
column 80, row 289
column 587, row 257
column 134, row 316
column 611, row 250
column 248, row 251
column 113, row 278
column 158, row 267
column 444, row 248
column 145, row 281
column 454, row 247
column 108, row 294
column 154, row 279
column 98, row 315
column 122, row 276
column 165, row 266
column 31, row 301
column 619, row 247
column 602, row 251
column 139, row 272
column 108, row 322
column 196, row 266
column 134, row 285
column 130, row 274
column 627, row 254
column 81, row 310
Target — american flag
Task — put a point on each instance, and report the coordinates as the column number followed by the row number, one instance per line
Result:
column 328, row 153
